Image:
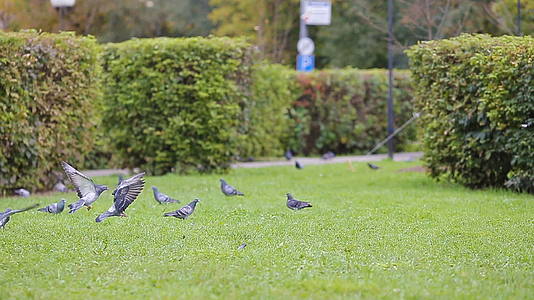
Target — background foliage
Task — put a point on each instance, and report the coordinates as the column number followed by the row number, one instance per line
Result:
column 174, row 103
column 475, row 92
column 48, row 85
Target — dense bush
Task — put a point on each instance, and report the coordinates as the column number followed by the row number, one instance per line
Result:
column 48, row 83
column 475, row 92
column 345, row 110
column 175, row 103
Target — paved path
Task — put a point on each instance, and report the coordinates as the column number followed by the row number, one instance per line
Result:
column 406, row 156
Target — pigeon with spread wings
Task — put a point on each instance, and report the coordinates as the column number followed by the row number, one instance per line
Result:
column 124, row 195
column 87, row 190
column 6, row 215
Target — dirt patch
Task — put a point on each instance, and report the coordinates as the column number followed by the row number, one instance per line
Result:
column 419, row 169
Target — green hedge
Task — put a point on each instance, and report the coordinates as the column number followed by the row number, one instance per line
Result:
column 475, row 92
column 175, row 103
column 48, row 83
column 345, row 110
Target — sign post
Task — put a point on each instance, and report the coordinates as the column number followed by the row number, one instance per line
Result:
column 312, row 12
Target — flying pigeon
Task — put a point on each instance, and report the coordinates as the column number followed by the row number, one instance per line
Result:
column 288, row 155
column 54, row 208
column 183, row 212
column 298, row 165
column 328, row 155
column 229, row 190
column 6, row 215
column 372, row 166
column 123, row 196
column 60, row 187
column 22, row 192
column 295, row 204
column 162, row 198
column 87, row 190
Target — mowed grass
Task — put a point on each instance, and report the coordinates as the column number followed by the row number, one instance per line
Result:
column 370, row 234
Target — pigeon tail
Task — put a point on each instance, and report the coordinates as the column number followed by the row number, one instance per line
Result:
column 76, row 205
column 44, row 209
column 169, row 214
column 103, row 216
column 238, row 193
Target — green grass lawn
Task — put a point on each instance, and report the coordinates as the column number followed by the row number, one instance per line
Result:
column 370, row 234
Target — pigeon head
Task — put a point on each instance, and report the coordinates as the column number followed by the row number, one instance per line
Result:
column 100, row 188
column 289, row 196
column 194, row 203
column 155, row 189
column 222, row 181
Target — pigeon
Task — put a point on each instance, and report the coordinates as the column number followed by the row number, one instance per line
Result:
column 124, row 195
column 288, row 155
column 54, row 208
column 22, row 192
column 229, row 190
column 328, row 155
column 162, row 198
column 6, row 215
column 295, row 204
column 372, row 166
column 298, row 165
column 87, row 190
column 60, row 187
column 120, row 179
column 183, row 212
column 242, row 246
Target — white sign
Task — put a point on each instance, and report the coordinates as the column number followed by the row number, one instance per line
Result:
column 305, row 46
column 317, row 12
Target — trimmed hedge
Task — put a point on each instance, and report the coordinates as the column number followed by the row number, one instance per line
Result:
column 175, row 103
column 48, row 83
column 475, row 92
column 345, row 110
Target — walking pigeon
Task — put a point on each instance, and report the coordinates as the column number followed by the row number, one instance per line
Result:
column 372, row 166
column 229, row 190
column 54, row 208
column 328, row 155
column 288, row 155
column 6, row 215
column 183, row 212
column 242, row 246
column 298, row 165
column 295, row 204
column 124, row 195
column 22, row 192
column 162, row 198
column 87, row 190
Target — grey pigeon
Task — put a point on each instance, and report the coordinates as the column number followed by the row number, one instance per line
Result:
column 295, row 204
column 120, row 179
column 124, row 195
column 372, row 166
column 183, row 212
column 298, row 165
column 162, row 198
column 6, row 215
column 22, row 192
column 229, row 190
column 288, row 155
column 328, row 155
column 60, row 187
column 87, row 190
column 242, row 246
column 54, row 208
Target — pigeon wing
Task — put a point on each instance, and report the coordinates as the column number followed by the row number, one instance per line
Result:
column 127, row 193
column 83, row 184
column 24, row 209
column 185, row 211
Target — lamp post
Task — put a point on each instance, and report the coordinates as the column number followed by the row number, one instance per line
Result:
column 62, row 6
column 518, row 17
column 391, row 125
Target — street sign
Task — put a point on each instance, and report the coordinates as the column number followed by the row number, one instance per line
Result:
column 317, row 12
column 305, row 46
column 305, row 63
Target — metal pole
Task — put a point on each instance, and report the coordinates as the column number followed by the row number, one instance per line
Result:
column 391, row 146
column 303, row 32
column 61, row 17
column 518, row 17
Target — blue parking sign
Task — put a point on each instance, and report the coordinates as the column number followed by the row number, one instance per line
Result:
column 305, row 63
